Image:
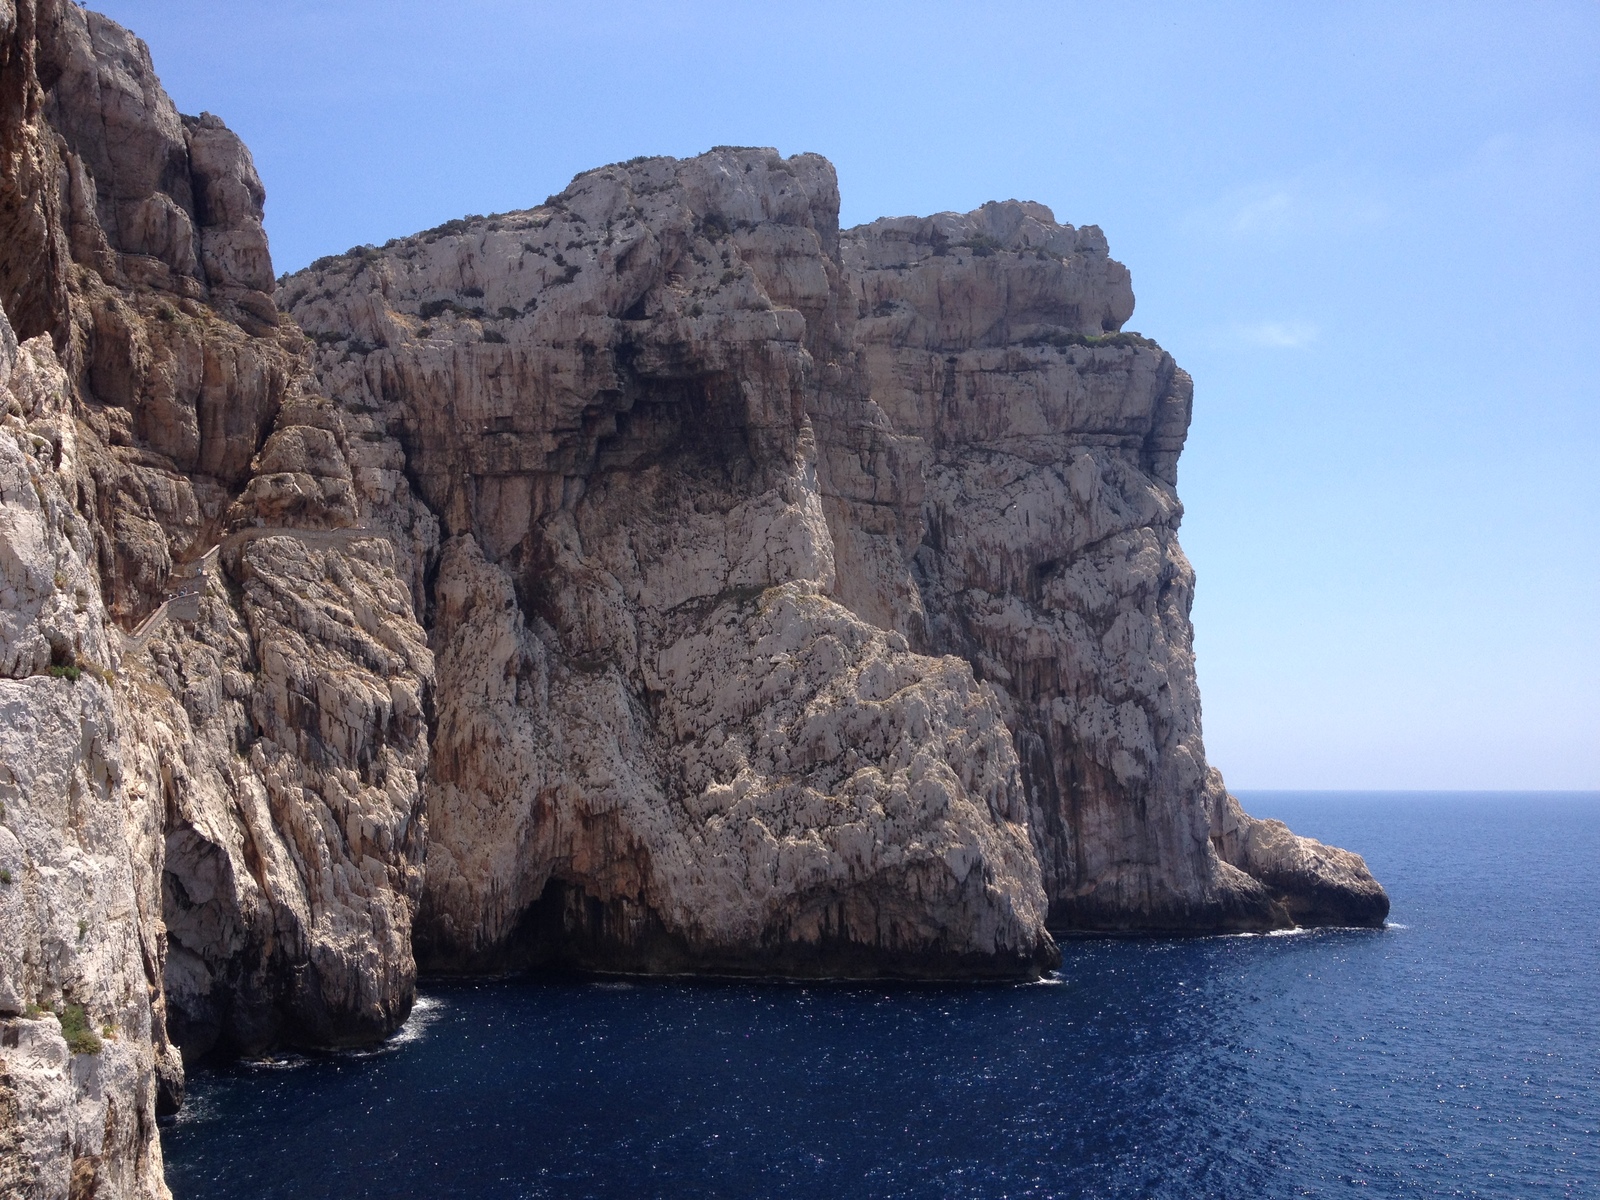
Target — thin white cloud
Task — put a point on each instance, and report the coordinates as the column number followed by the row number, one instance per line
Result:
column 1312, row 203
column 1278, row 335
column 1272, row 213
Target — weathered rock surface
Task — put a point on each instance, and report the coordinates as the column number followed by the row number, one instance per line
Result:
column 674, row 401
column 1314, row 884
column 660, row 579
column 661, row 744
column 1047, row 553
column 82, row 1041
column 214, row 686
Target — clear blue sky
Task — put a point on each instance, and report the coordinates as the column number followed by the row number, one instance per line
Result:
column 1368, row 229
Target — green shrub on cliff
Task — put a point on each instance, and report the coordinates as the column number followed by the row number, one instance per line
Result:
column 81, row 1039
column 1061, row 339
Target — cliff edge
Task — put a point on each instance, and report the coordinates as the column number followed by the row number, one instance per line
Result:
column 782, row 522
column 657, row 579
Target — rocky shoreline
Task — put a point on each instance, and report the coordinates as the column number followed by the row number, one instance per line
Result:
column 659, row 579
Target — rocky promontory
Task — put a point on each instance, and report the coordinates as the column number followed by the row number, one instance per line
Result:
column 659, row 579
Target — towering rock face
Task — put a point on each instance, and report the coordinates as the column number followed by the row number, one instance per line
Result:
column 658, row 579
column 752, row 528
column 661, row 742
column 1047, row 554
column 214, row 690
column 83, row 1045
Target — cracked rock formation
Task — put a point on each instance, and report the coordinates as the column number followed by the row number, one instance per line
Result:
column 662, row 743
column 213, row 689
column 659, row 579
column 674, row 413
column 83, row 1043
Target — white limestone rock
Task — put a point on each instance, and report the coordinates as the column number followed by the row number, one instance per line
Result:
column 80, row 925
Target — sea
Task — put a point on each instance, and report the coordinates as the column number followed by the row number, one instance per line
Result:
column 1454, row 1053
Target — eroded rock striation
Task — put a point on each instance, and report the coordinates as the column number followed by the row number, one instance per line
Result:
column 214, row 686
column 662, row 742
column 659, row 579
column 717, row 485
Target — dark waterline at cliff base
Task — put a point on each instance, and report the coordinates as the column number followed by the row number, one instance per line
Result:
column 1453, row 1054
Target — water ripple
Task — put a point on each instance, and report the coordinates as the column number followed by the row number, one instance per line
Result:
column 1453, row 1054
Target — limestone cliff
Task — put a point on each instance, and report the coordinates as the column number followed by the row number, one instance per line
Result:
column 83, row 1044
column 658, row 579
column 214, row 689
column 661, row 742
column 717, row 481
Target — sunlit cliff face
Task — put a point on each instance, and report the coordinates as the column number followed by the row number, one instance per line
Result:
column 659, row 580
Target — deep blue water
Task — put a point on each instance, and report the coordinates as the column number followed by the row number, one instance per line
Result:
column 1453, row 1054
